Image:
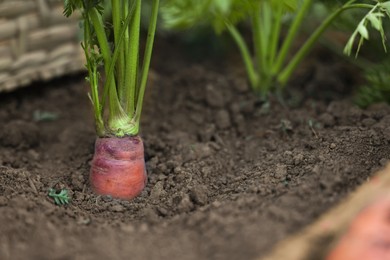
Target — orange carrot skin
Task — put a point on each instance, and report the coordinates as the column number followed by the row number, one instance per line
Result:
column 368, row 237
column 118, row 167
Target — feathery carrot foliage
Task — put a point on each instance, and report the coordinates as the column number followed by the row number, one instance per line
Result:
column 125, row 76
column 271, row 67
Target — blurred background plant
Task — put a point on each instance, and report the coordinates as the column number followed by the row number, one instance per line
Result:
column 373, row 61
column 275, row 25
column 264, row 18
column 377, row 87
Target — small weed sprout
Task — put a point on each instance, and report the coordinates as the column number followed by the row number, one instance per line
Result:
column 312, row 125
column 40, row 116
column 61, row 198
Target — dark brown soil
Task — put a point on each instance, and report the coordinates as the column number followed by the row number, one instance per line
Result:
column 228, row 176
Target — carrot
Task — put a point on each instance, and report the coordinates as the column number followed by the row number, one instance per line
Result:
column 368, row 237
column 118, row 166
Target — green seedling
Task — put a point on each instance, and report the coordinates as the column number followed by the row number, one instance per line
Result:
column 40, row 116
column 61, row 198
column 313, row 125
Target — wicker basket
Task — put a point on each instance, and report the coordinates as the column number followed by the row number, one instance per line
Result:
column 36, row 42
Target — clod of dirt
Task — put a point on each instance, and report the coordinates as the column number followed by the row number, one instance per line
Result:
column 78, row 196
column 241, row 84
column 183, row 203
column 377, row 111
column 214, row 97
column 19, row 134
column 248, row 106
column 199, row 195
column 3, row 201
column 117, row 208
column 280, row 171
column 368, row 122
column 33, row 155
column 206, row 133
column 327, row 119
column 386, row 135
column 150, row 214
column 157, row 192
column 385, row 122
column 196, row 151
column 222, row 119
column 77, row 181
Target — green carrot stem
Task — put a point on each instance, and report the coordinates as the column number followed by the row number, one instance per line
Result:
column 258, row 42
column 146, row 60
column 116, row 18
column 111, row 64
column 132, row 59
column 93, row 78
column 285, row 74
column 291, row 36
column 265, row 34
column 275, row 34
column 120, row 122
column 245, row 54
column 115, row 108
column 125, row 8
column 100, row 129
column 101, row 36
column 265, row 25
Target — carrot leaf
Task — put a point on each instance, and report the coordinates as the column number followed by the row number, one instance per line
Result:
column 373, row 18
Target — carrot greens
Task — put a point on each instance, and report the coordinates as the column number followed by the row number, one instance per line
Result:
column 125, row 76
column 275, row 58
column 373, row 17
column 376, row 89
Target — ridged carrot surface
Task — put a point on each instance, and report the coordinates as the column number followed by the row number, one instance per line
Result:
column 118, row 167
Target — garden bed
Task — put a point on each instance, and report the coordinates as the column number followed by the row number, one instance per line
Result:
column 228, row 177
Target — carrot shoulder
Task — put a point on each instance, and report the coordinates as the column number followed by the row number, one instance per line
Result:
column 118, row 167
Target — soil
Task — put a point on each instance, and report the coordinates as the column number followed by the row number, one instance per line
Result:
column 229, row 175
